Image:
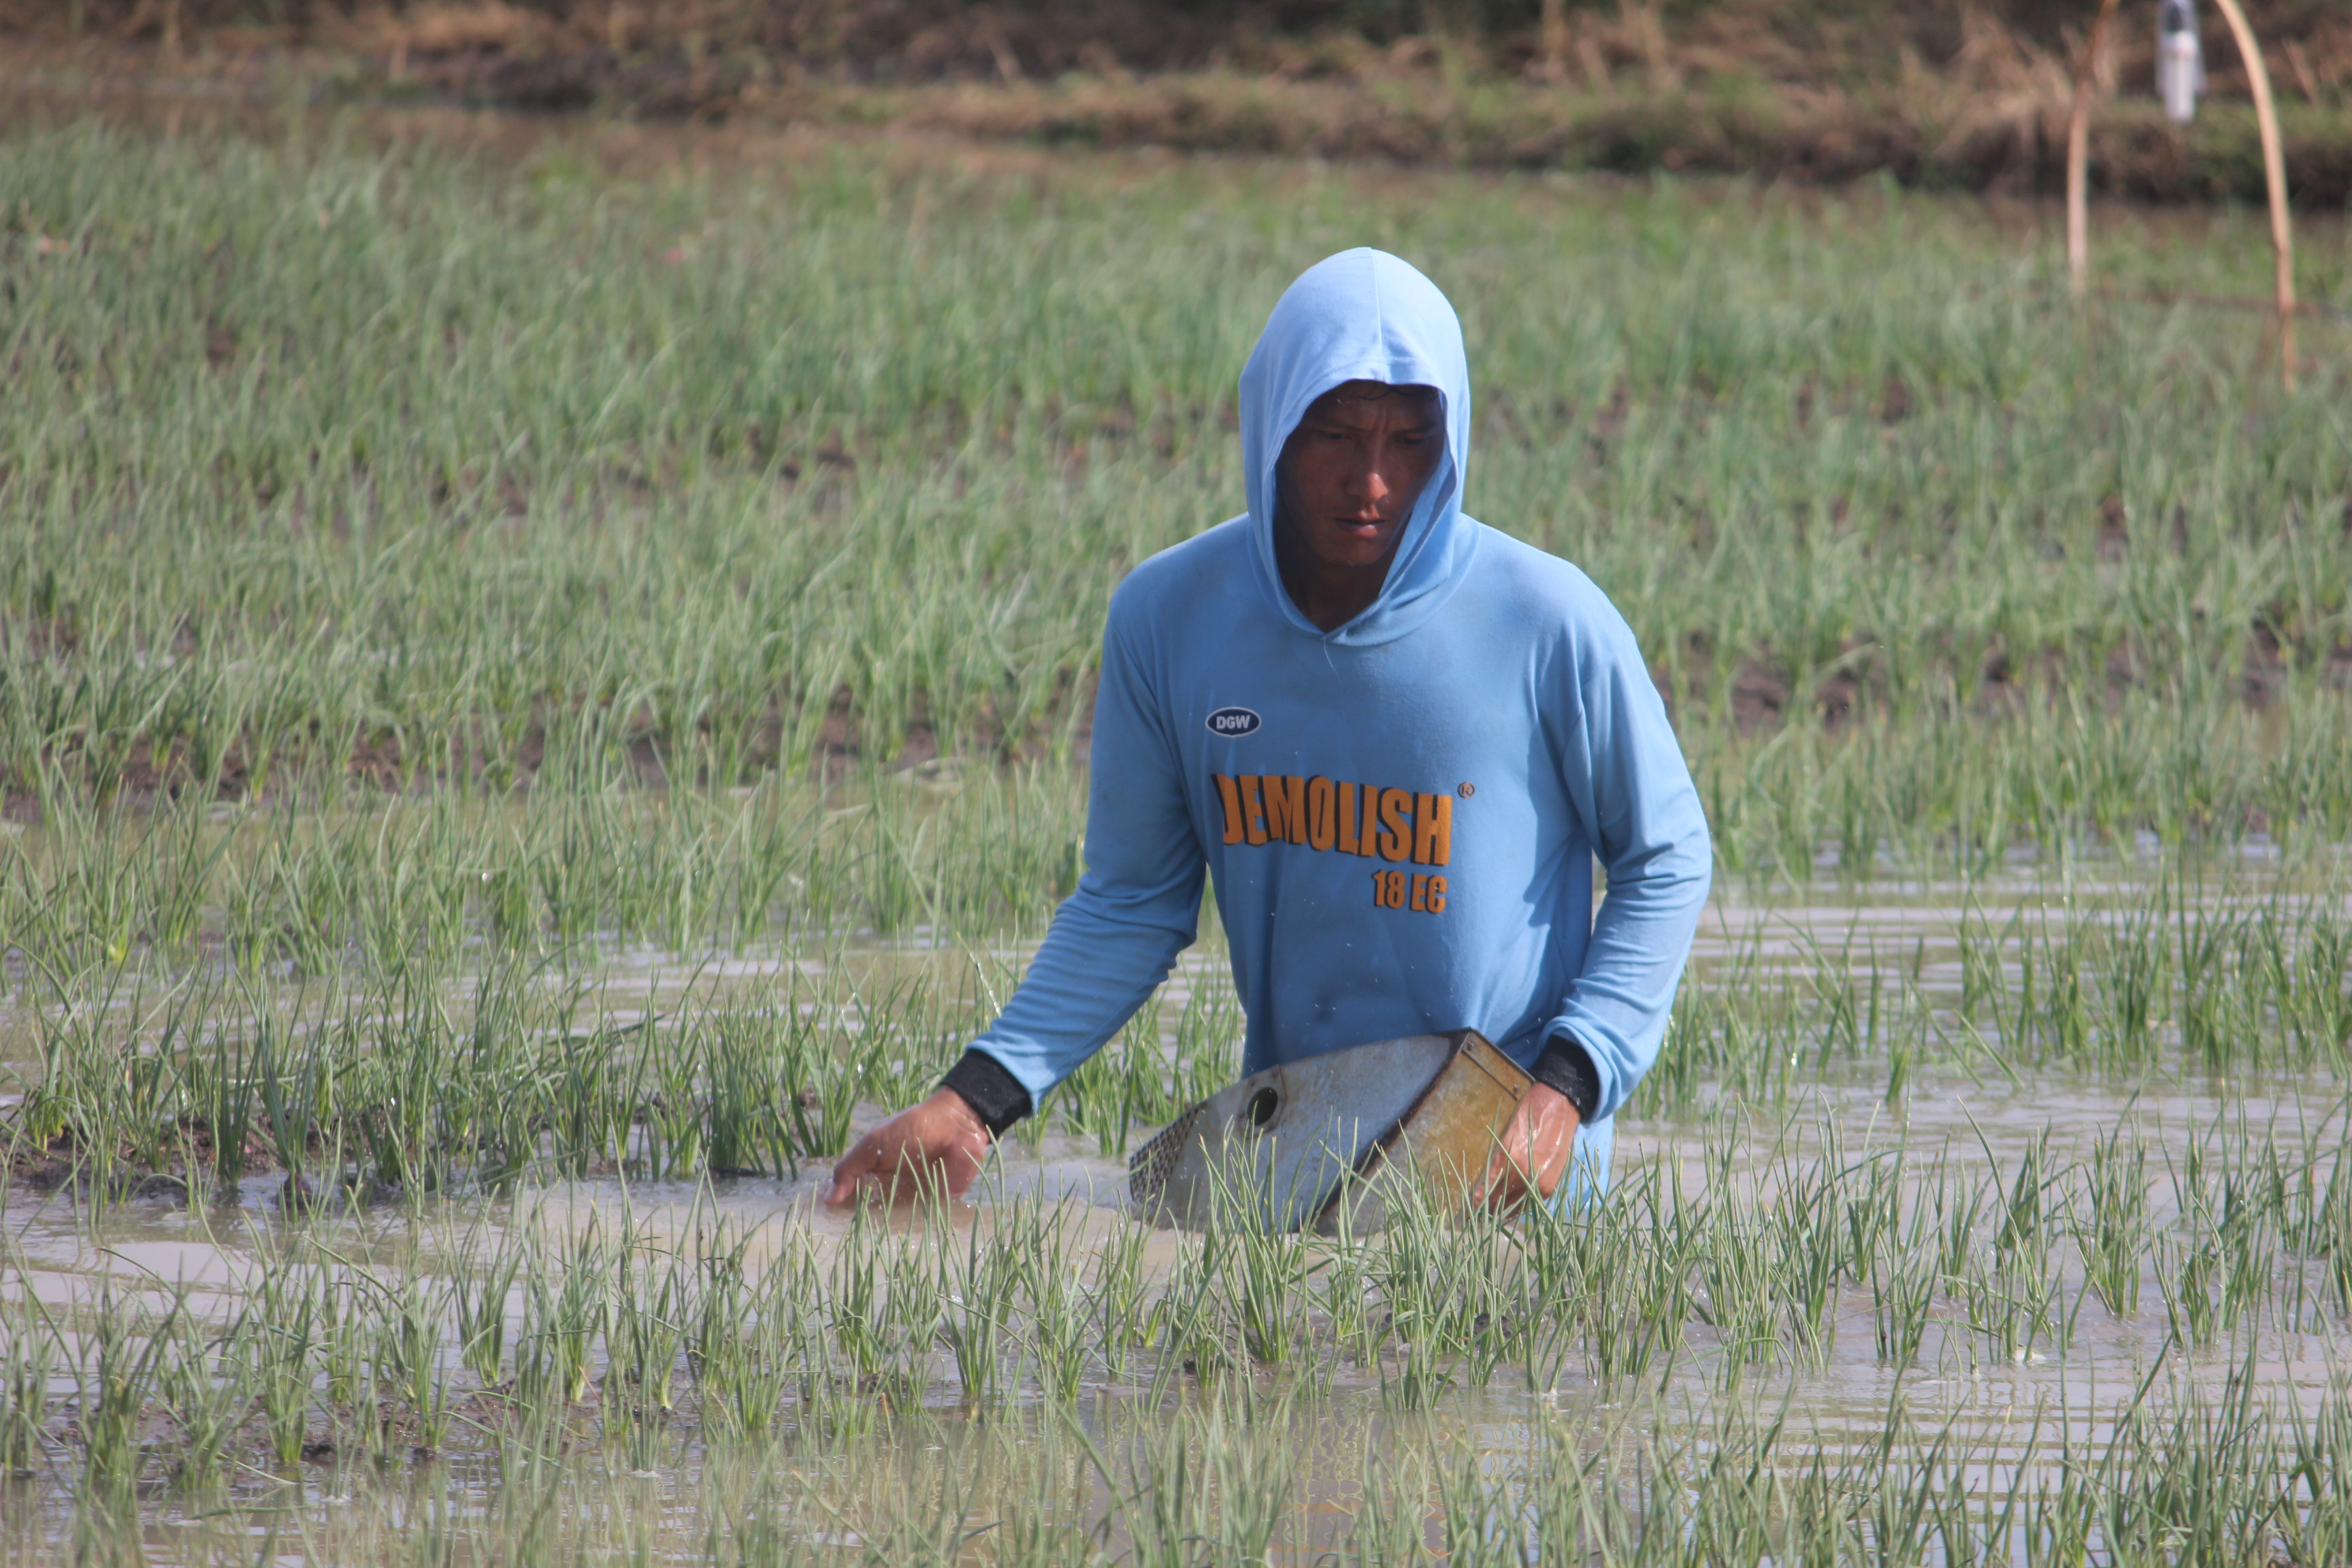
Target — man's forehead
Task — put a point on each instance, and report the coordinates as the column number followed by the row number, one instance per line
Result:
column 1358, row 396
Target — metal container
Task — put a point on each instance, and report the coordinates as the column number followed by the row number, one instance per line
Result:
column 1313, row 1144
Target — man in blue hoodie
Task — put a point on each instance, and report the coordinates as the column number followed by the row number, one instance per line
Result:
column 1396, row 738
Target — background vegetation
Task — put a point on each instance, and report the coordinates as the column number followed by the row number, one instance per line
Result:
column 1972, row 95
column 329, row 464
column 1813, row 40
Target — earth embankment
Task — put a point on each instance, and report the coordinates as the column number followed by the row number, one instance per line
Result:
column 1965, row 97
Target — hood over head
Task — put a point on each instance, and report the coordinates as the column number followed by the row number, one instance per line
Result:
column 1362, row 315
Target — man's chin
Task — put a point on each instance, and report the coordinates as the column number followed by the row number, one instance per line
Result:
column 1355, row 554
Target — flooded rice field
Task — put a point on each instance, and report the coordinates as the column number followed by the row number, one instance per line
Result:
column 1999, row 1219
column 545, row 676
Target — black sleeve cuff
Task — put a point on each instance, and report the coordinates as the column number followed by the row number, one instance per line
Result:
column 1564, row 1067
column 994, row 1095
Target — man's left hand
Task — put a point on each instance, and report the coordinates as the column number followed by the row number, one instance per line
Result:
column 1533, row 1156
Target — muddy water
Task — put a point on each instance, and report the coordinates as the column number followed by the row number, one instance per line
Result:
column 1965, row 1111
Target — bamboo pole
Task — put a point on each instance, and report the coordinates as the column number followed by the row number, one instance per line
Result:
column 2274, row 174
column 2078, row 155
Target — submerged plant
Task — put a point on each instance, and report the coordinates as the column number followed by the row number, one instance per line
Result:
column 29, row 1361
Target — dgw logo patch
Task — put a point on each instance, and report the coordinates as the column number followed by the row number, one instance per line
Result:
column 1231, row 721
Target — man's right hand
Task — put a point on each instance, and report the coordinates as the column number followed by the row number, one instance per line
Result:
column 940, row 1144
column 1532, row 1156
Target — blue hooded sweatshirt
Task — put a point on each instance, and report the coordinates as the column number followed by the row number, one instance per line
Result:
column 1401, row 816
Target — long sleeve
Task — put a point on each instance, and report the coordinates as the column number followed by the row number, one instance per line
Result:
column 1626, row 774
column 1137, row 907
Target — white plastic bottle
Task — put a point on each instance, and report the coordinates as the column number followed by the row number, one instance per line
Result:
column 2179, row 59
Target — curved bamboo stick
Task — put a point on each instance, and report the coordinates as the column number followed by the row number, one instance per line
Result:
column 2078, row 155
column 2275, row 174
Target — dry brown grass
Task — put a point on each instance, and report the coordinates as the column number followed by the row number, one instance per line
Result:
column 1974, row 96
column 1627, row 44
column 453, row 26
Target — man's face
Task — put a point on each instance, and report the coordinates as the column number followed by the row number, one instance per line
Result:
column 1351, row 470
